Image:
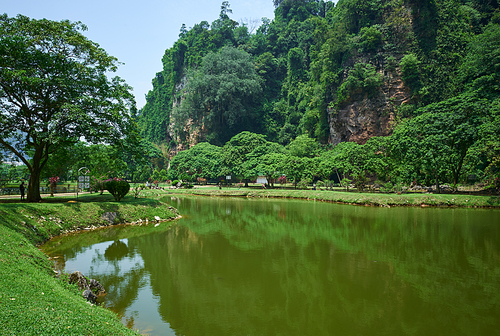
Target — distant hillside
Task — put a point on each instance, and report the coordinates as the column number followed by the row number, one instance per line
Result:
column 337, row 72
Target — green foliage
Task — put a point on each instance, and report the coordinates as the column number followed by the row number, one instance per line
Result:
column 304, row 146
column 63, row 76
column 362, row 79
column 316, row 57
column 201, row 160
column 438, row 141
column 234, row 152
column 304, row 184
column 117, row 188
column 410, row 72
column 370, row 38
column 360, row 13
column 221, row 95
column 481, row 67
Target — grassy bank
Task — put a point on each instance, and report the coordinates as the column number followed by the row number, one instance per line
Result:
column 375, row 199
column 32, row 300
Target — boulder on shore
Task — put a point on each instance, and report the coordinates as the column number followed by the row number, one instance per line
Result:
column 89, row 287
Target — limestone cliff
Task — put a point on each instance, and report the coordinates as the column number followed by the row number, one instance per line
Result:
column 366, row 117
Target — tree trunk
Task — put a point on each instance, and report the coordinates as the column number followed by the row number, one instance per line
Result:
column 34, row 186
column 438, row 189
column 39, row 159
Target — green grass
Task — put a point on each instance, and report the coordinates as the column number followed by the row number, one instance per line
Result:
column 375, row 199
column 32, row 300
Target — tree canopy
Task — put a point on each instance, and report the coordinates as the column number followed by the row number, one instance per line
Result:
column 54, row 90
column 221, row 95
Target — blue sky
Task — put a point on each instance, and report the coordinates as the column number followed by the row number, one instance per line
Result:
column 136, row 32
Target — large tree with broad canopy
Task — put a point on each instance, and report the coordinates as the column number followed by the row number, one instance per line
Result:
column 54, row 90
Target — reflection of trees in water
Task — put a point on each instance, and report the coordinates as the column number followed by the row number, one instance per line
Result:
column 122, row 285
column 116, row 251
column 296, row 267
column 429, row 261
column 287, row 289
column 124, row 288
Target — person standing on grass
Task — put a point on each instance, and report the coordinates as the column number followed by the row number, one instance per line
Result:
column 22, row 188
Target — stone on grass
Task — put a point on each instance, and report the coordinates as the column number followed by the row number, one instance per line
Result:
column 109, row 217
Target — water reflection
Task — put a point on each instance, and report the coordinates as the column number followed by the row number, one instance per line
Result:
column 233, row 267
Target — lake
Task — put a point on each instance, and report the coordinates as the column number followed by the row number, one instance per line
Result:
column 235, row 266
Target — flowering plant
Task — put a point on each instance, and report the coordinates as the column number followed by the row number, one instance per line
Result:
column 113, row 179
column 53, row 183
column 117, row 187
column 54, row 180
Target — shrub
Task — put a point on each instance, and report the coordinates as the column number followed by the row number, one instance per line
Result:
column 345, row 183
column 97, row 183
column 303, row 184
column 388, row 187
column 410, row 72
column 371, row 38
column 137, row 190
column 321, row 184
column 117, row 187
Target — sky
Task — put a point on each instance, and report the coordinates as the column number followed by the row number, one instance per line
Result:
column 136, row 32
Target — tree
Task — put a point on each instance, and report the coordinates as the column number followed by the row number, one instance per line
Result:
column 481, row 66
column 201, row 160
column 221, row 95
column 304, row 146
column 293, row 167
column 235, row 151
column 266, row 159
column 54, row 90
column 438, row 140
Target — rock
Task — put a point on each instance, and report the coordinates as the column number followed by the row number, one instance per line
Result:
column 109, row 217
column 80, row 280
column 95, row 285
column 157, row 218
column 366, row 116
column 88, row 286
column 87, row 294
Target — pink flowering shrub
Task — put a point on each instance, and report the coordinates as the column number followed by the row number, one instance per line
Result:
column 53, row 180
column 117, row 187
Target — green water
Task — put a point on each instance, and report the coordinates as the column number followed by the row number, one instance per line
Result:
column 273, row 267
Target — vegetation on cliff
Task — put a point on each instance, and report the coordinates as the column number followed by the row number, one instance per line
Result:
column 317, row 57
column 346, row 72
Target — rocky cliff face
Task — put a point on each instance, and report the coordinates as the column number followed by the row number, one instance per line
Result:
column 366, row 117
column 192, row 132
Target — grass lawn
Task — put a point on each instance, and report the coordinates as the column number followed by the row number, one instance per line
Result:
column 32, row 300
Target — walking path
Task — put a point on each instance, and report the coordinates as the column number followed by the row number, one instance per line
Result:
column 46, row 195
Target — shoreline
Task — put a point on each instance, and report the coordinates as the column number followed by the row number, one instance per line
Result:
column 354, row 198
column 32, row 299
